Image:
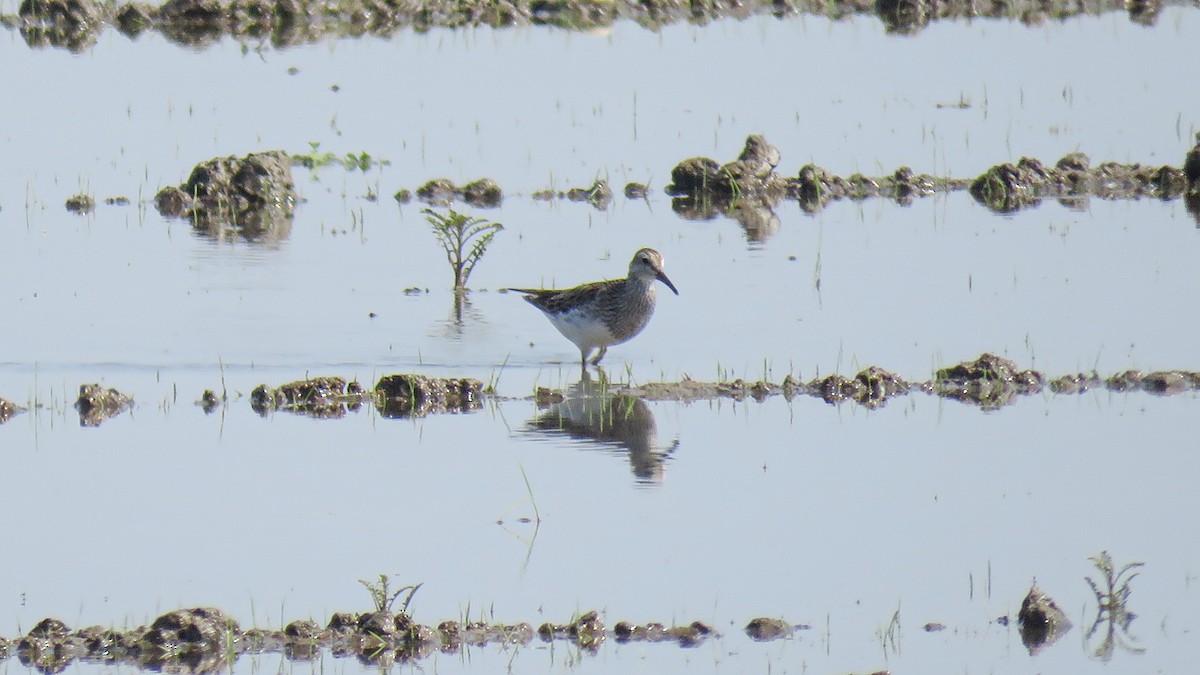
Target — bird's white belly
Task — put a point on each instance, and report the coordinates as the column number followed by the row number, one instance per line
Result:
column 585, row 330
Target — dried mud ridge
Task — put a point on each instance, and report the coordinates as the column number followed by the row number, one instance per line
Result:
column 205, row 639
column 990, row 382
column 76, row 24
column 255, row 196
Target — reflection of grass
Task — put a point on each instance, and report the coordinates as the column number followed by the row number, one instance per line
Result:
column 384, row 598
column 465, row 240
column 890, row 635
column 1112, row 599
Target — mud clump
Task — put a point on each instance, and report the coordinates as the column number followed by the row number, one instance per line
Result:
column 990, row 382
column 1168, row 383
column 417, row 395
column 8, row 410
column 764, row 629
column 80, row 204
column 321, row 397
column 1191, row 166
column 687, row 636
column 1074, row 384
column 73, row 24
column 870, row 388
column 1041, row 622
column 483, row 193
column 587, row 631
column 198, row 637
column 599, row 195
column 195, row 640
column 1007, row 188
column 253, row 196
column 96, row 404
column 393, row 396
column 752, row 173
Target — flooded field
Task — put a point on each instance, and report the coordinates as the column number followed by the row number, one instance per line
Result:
column 736, row 466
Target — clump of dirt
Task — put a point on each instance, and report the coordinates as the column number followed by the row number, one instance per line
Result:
column 209, row 401
column 871, row 388
column 198, row 639
column 1006, row 188
column 416, row 395
column 96, row 404
column 990, row 382
column 694, row 390
column 763, row 629
column 1075, row 384
column 1163, row 382
column 687, row 636
column 8, row 410
column 282, row 23
column 599, row 195
column 81, row 204
column 321, row 397
column 1041, row 622
column 74, row 24
column 198, row 635
column 587, row 631
column 205, row 639
column 483, row 193
column 751, row 175
column 637, row 190
column 394, row 396
column 253, row 196
column 748, row 188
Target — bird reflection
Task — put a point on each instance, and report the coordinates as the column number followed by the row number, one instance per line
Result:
column 618, row 422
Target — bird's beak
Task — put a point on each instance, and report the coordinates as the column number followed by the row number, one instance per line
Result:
column 663, row 278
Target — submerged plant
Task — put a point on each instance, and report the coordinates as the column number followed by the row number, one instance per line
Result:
column 384, row 598
column 465, row 239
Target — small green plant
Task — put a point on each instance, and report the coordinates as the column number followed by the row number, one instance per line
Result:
column 465, row 239
column 384, row 597
column 315, row 159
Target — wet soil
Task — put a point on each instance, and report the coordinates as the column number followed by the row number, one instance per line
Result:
column 254, row 197
column 989, row 382
column 205, row 639
column 76, row 24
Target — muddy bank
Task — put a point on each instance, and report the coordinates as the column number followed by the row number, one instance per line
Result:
column 406, row 395
column 206, row 639
column 76, row 24
column 989, row 382
column 254, row 197
column 749, row 188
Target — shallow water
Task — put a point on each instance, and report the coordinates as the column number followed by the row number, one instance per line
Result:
column 829, row 516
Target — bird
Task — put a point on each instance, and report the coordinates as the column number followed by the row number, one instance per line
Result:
column 604, row 313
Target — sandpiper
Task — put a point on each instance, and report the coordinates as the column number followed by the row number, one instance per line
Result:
column 604, row 313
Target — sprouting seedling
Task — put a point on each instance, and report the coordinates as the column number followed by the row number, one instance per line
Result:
column 385, row 598
column 465, row 239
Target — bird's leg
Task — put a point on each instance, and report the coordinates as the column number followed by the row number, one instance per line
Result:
column 599, row 355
